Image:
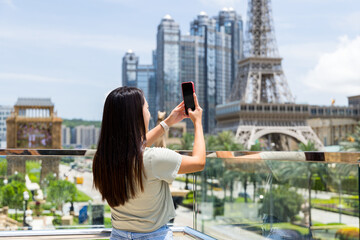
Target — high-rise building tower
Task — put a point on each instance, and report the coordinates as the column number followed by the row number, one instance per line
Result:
column 143, row 77
column 129, row 66
column 207, row 56
column 233, row 25
column 168, row 64
column 210, row 57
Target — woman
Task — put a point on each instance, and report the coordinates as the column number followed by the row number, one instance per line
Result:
column 133, row 178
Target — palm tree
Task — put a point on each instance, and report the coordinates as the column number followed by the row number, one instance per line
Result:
column 337, row 172
column 309, row 147
column 227, row 142
column 295, row 171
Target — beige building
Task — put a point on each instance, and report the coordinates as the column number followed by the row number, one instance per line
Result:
column 331, row 131
column 33, row 125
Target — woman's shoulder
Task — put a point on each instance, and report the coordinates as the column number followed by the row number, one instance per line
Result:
column 157, row 150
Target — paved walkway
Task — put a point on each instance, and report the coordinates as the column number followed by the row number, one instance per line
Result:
column 331, row 217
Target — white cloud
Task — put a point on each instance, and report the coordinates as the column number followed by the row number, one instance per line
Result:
column 20, row 77
column 349, row 22
column 239, row 5
column 29, row 77
column 9, row 3
column 339, row 71
column 56, row 37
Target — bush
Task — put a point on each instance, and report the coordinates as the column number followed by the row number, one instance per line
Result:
column 3, row 167
column 349, row 233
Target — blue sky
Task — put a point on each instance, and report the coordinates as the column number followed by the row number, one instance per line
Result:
column 71, row 50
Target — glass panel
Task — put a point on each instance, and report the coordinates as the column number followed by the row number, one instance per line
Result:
column 60, row 195
column 268, row 199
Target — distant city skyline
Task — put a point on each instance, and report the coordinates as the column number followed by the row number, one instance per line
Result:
column 71, row 51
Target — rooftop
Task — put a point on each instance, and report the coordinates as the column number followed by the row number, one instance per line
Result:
column 40, row 102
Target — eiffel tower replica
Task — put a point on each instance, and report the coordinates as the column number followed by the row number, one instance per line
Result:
column 260, row 75
column 267, row 106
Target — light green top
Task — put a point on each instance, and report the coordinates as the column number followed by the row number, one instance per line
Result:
column 154, row 207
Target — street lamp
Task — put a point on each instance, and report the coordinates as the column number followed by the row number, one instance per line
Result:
column 26, row 198
column 5, row 181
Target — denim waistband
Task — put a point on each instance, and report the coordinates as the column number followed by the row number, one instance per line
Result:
column 163, row 233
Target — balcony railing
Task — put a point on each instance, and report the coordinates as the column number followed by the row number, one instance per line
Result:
column 313, row 195
column 103, row 233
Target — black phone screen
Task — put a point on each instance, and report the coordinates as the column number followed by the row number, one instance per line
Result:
column 187, row 89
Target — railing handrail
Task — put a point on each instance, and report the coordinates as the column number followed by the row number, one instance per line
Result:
column 344, row 157
column 98, row 233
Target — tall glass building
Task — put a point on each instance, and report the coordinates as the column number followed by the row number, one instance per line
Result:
column 168, row 65
column 143, row 77
column 129, row 66
column 208, row 56
column 232, row 24
column 211, row 61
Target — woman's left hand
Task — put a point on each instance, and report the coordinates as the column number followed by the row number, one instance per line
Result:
column 176, row 115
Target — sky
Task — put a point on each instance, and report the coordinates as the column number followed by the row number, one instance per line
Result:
column 71, row 50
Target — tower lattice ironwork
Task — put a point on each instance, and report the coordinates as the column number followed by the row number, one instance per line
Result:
column 260, row 76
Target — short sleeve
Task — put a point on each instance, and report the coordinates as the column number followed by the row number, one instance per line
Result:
column 165, row 164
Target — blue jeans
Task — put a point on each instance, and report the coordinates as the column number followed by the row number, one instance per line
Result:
column 163, row 233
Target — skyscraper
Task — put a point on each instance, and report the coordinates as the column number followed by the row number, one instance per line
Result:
column 212, row 64
column 129, row 66
column 140, row 76
column 207, row 56
column 233, row 25
column 168, row 64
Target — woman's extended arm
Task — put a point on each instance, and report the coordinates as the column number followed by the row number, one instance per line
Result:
column 197, row 161
column 175, row 116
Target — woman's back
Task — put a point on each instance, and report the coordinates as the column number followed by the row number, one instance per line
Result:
column 153, row 207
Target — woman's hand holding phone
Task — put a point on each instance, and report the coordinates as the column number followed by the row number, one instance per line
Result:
column 196, row 115
column 176, row 115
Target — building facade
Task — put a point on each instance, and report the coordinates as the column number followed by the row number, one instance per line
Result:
column 129, row 65
column 143, row 77
column 354, row 100
column 87, row 136
column 212, row 57
column 230, row 22
column 207, row 56
column 65, row 136
column 33, row 125
column 5, row 112
column 168, row 93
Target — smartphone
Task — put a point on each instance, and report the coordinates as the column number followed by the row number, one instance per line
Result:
column 188, row 90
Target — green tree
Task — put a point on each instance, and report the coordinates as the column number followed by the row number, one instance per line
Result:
column 353, row 142
column 256, row 147
column 3, row 166
column 227, row 142
column 187, row 141
column 13, row 195
column 294, row 173
column 60, row 192
column 309, row 147
column 17, row 177
column 212, row 143
column 284, row 201
column 224, row 141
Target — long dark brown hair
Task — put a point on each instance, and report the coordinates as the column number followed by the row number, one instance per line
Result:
column 118, row 167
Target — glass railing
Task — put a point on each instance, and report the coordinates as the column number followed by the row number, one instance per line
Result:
column 237, row 196
column 310, row 197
